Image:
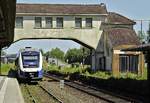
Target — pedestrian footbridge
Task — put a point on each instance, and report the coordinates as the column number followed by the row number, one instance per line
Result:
column 80, row 23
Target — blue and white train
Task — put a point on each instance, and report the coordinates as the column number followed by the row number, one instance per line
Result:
column 29, row 64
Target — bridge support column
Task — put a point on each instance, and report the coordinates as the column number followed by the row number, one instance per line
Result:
column 0, row 60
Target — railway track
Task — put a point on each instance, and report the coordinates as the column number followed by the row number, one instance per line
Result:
column 52, row 95
column 30, row 94
column 34, row 100
column 102, row 94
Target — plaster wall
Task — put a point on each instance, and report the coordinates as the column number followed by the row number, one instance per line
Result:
column 88, row 36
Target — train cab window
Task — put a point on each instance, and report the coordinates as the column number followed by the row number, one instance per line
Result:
column 31, row 61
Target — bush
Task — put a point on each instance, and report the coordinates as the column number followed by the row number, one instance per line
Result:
column 5, row 68
column 66, row 70
column 98, row 74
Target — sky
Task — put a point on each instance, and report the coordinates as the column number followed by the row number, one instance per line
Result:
column 133, row 9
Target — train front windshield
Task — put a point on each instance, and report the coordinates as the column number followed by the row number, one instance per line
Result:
column 30, row 60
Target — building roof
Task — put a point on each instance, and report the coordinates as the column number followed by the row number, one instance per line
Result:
column 122, row 36
column 115, row 18
column 61, row 8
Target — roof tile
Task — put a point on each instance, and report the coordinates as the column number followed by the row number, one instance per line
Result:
column 115, row 18
column 61, row 8
column 122, row 36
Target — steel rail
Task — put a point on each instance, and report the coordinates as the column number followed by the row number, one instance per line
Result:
column 33, row 99
column 80, row 89
column 70, row 83
column 52, row 95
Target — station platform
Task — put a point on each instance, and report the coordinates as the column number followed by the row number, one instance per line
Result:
column 10, row 91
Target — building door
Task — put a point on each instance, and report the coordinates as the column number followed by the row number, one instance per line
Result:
column 102, row 62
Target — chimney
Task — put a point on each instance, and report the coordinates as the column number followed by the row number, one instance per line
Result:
column 102, row 5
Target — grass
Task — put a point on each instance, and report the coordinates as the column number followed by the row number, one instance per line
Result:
column 107, row 75
column 97, row 74
column 25, row 94
column 65, row 70
column 5, row 68
column 134, row 75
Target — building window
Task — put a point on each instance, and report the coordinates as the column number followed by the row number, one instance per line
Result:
column 19, row 22
column 49, row 22
column 128, row 63
column 89, row 22
column 38, row 22
column 59, row 22
column 78, row 22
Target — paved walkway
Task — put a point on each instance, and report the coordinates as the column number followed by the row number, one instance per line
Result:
column 10, row 91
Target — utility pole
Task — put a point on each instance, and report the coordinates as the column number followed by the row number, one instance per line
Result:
column 148, row 32
column 141, row 23
column 141, row 28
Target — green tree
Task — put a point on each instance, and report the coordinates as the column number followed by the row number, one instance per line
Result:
column 142, row 36
column 47, row 54
column 86, row 54
column 57, row 53
column 85, row 50
column 78, row 55
column 73, row 55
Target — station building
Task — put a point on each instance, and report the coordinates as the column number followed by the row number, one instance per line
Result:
column 105, row 33
column 118, row 34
